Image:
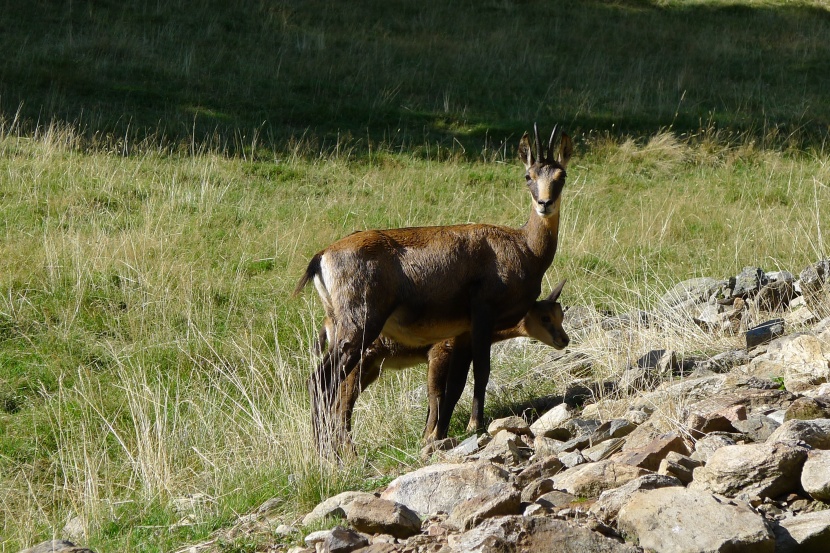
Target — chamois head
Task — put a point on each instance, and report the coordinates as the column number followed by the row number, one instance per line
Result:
column 544, row 320
column 545, row 174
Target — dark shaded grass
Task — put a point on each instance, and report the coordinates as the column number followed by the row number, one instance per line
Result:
column 240, row 75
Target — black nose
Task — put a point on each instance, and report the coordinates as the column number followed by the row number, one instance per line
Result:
column 545, row 203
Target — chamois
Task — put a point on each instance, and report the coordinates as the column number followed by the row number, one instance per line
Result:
column 543, row 322
column 421, row 285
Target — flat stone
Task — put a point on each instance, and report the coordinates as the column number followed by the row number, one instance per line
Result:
column 649, row 457
column 608, row 506
column 764, row 333
column 815, row 475
column 541, row 468
column 515, row 425
column 757, row 427
column 815, row 433
column 500, row 499
column 333, row 507
column 551, row 420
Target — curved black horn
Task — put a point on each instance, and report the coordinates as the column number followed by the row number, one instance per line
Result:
column 554, row 295
column 536, row 137
column 550, row 142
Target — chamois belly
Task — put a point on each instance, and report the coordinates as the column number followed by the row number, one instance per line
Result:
column 422, row 331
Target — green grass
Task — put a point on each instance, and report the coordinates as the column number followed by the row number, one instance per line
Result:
column 167, row 170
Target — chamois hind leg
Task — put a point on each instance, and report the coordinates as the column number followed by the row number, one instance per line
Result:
column 439, row 359
column 367, row 371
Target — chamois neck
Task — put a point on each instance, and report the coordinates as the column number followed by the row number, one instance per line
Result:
column 513, row 332
column 542, row 234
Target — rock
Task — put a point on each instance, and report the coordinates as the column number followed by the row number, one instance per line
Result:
column 615, row 428
column 649, row 456
column 757, row 427
column 332, row 507
column 498, row 500
column 762, row 470
column 607, row 507
column 536, row 534
column 515, row 425
column 446, row 444
column 592, row 479
column 572, row 459
column 807, row 408
column 343, row 540
column 804, row 533
column 802, row 360
column 775, row 296
column 603, row 450
column 723, row 362
column 542, row 468
column 707, row 445
column 748, row 282
column 374, row 515
column 815, row 433
column 439, row 488
column 535, row 489
column 546, row 447
column 813, row 282
column 551, row 420
column 698, row 290
column 681, row 520
column 75, row 529
column 555, row 498
column 467, row 447
column 764, row 333
column 505, row 448
column 56, row 546
column 815, row 475
column 678, row 466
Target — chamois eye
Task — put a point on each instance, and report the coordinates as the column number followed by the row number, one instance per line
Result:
column 546, row 320
column 527, row 177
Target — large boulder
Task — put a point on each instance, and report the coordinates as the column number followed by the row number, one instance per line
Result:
column 439, row 488
column 679, row 520
column 373, row 515
column 591, row 479
column 762, row 470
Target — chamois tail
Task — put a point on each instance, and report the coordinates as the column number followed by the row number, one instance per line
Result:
column 311, row 271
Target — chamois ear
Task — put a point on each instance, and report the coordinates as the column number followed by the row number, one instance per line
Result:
column 525, row 153
column 566, row 148
column 554, row 295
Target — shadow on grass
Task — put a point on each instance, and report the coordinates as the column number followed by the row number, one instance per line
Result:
column 466, row 75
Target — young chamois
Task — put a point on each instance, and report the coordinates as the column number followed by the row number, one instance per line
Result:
column 419, row 286
column 543, row 322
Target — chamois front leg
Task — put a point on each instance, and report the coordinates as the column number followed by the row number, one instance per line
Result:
column 439, row 359
column 456, row 366
column 482, row 333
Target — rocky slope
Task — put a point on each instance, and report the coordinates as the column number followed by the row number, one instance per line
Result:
column 728, row 452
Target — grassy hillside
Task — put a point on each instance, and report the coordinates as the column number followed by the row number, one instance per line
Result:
column 166, row 172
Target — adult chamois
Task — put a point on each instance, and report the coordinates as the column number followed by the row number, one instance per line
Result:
column 445, row 359
column 419, row 286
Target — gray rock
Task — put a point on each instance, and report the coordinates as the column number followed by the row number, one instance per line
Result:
column 815, row 476
column 541, row 468
column 603, row 450
column 707, row 445
column 804, row 533
column 764, row 333
column 534, row 489
column 332, row 507
column 505, row 448
column 499, row 500
column 680, row 520
column 724, row 362
column 591, row 479
column 678, row 466
column 815, row 433
column 608, row 506
column 374, row 515
column 439, row 488
column 551, row 420
column 615, row 428
column 748, row 282
column 56, row 546
column 698, row 290
column 343, row 540
column 757, row 427
column 572, row 459
column 467, row 447
column 802, row 360
column 755, row 470
column 534, row 533
column 515, row 425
